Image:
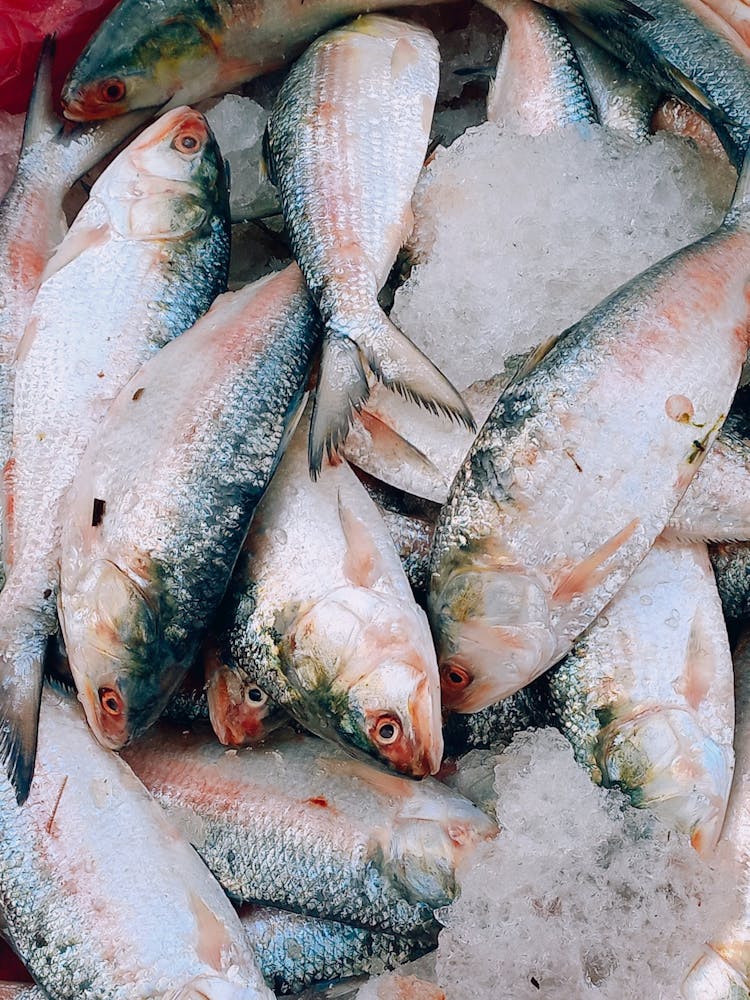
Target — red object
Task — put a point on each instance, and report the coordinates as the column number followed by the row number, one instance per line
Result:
column 11, row 969
column 23, row 25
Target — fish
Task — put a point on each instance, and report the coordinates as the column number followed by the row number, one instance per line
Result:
column 32, row 222
column 299, row 825
column 295, row 951
column 563, row 492
column 646, row 696
column 731, row 565
column 539, row 85
column 723, row 971
column 682, row 53
column 494, row 727
column 323, row 620
column 623, row 101
column 144, row 258
column 67, row 916
column 186, row 52
column 363, row 95
column 240, row 712
column 141, row 582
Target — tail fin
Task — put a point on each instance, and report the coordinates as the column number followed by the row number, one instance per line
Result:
column 342, row 388
column 21, row 674
column 741, row 197
column 40, row 118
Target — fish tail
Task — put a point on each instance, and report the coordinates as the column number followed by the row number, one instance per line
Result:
column 342, row 389
column 40, row 118
column 21, row 673
column 401, row 366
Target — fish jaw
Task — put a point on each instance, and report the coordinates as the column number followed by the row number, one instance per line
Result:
column 365, row 670
column 241, row 713
column 131, row 62
column 664, row 762
column 493, row 634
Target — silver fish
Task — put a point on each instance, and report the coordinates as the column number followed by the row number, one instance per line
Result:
column 362, row 95
column 646, row 695
column 195, row 435
column 563, row 493
column 324, row 621
column 161, row 930
column 145, row 257
column 300, row 825
column 538, row 85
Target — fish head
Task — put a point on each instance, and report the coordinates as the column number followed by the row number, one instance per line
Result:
column 493, row 635
column 167, row 183
column 665, row 762
column 364, row 665
column 430, row 838
column 142, row 57
column 113, row 640
column 241, row 713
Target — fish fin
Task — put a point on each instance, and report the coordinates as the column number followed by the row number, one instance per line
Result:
column 588, row 573
column 606, row 8
column 21, row 675
column 342, row 388
column 40, row 118
column 400, row 365
column 75, row 243
column 363, row 565
column 390, row 444
column 266, row 159
column 377, row 778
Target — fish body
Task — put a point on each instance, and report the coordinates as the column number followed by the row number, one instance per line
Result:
column 161, row 929
column 295, row 951
column 165, row 493
column 362, row 95
column 299, row 825
column 186, row 51
column 731, row 563
column 325, row 623
column 144, row 258
column 538, row 85
column 646, row 696
column 563, row 493
column 623, row 101
column 723, row 973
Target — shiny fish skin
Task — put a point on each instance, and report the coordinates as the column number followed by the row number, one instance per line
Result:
column 324, row 621
column 731, row 563
column 362, row 95
column 646, row 695
column 539, row 85
column 299, row 825
column 724, row 972
column 184, row 51
column 161, row 929
column 295, row 951
column 513, row 587
column 32, row 221
column 194, row 436
column 681, row 54
column 145, row 257
column 623, row 102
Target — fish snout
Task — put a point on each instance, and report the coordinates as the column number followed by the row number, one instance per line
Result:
column 106, row 713
column 94, row 101
column 237, row 709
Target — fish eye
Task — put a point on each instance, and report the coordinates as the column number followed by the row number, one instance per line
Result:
column 187, row 142
column 454, row 677
column 111, row 701
column 387, row 729
column 255, row 695
column 112, row 90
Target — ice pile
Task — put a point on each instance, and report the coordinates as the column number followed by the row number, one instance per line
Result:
column 517, row 237
column 238, row 124
column 581, row 896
